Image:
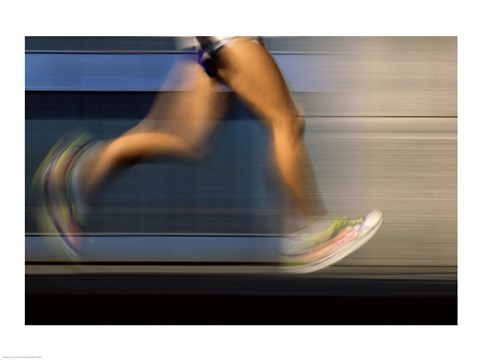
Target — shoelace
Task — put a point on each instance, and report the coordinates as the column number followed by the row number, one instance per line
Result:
column 342, row 222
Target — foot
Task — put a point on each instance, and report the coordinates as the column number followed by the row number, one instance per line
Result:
column 328, row 241
column 60, row 214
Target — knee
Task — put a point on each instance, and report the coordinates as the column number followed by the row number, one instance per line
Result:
column 189, row 147
column 292, row 124
column 191, row 152
column 299, row 121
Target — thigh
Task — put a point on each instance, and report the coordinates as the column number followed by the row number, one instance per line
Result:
column 191, row 109
column 249, row 69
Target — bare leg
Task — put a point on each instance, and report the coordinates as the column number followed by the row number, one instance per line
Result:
column 249, row 69
column 190, row 115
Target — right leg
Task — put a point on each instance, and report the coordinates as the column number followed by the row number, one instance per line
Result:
column 249, row 69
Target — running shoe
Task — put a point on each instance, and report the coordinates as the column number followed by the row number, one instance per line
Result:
column 328, row 241
column 61, row 211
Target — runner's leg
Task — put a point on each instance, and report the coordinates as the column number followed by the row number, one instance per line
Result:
column 190, row 115
column 247, row 67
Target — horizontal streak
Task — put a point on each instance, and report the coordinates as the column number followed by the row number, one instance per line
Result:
column 147, row 52
column 384, row 116
column 159, row 248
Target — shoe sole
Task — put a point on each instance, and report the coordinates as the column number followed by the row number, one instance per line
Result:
column 53, row 240
column 338, row 255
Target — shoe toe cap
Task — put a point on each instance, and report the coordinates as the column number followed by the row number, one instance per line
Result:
column 373, row 219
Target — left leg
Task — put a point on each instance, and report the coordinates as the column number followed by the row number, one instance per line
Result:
column 71, row 172
column 188, row 117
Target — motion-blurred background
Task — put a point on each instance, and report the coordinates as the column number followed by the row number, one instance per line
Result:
column 193, row 242
column 381, row 132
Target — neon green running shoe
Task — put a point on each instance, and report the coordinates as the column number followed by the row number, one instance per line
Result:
column 328, row 241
